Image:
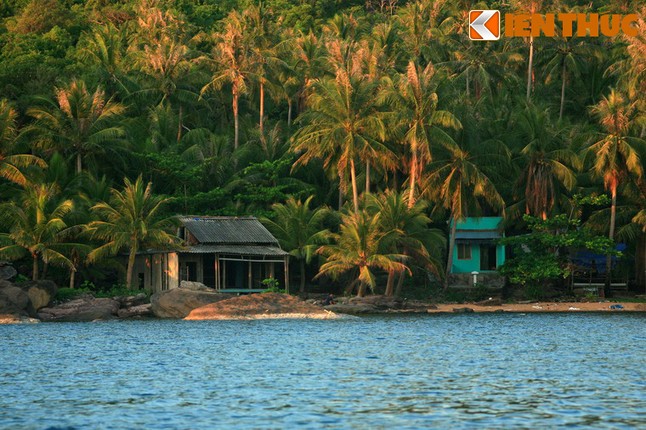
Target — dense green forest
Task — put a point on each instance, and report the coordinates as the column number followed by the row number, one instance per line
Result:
column 354, row 129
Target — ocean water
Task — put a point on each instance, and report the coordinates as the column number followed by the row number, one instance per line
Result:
column 412, row 371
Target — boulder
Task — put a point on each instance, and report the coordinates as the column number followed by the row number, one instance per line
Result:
column 378, row 302
column 83, row 309
column 352, row 309
column 194, row 286
column 13, row 300
column 40, row 294
column 463, row 310
column 260, row 306
column 131, row 301
column 140, row 311
column 179, row 302
column 7, row 271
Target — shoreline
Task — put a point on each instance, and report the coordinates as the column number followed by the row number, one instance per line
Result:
column 540, row 307
column 421, row 308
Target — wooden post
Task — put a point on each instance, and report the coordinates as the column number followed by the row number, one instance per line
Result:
column 250, row 274
column 224, row 274
column 217, row 271
column 271, row 270
column 287, row 274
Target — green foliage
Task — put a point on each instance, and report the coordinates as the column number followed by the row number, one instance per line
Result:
column 20, row 278
column 88, row 288
column 88, row 285
column 543, row 254
column 67, row 294
column 118, row 290
column 272, row 286
column 534, row 292
column 234, row 106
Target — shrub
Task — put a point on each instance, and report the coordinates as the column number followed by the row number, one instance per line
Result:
column 67, row 294
column 272, row 286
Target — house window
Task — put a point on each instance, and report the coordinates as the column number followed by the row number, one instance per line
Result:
column 488, row 257
column 464, row 251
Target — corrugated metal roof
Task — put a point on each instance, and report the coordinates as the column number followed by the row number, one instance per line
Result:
column 477, row 234
column 251, row 250
column 228, row 230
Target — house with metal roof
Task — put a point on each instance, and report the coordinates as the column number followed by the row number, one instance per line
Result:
column 230, row 254
column 476, row 248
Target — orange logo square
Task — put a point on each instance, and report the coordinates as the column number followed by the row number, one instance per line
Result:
column 484, row 25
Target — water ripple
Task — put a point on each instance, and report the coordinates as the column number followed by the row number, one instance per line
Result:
column 458, row 371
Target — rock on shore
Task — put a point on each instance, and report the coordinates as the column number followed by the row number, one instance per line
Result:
column 84, row 309
column 18, row 301
column 179, row 302
column 261, row 306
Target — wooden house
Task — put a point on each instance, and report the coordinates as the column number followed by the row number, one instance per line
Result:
column 230, row 254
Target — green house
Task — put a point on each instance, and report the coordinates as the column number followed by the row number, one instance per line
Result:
column 475, row 245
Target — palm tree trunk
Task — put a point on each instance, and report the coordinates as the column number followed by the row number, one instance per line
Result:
column 262, row 104
column 131, row 267
column 611, row 234
column 413, row 180
column 355, row 192
column 362, row 289
column 72, row 278
column 563, row 70
column 390, row 283
column 367, row 177
column 302, row 290
column 449, row 260
column 179, row 125
column 530, row 66
column 236, row 124
column 289, row 112
column 34, row 268
column 79, row 164
column 400, row 283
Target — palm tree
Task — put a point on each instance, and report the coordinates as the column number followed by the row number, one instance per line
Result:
column 10, row 163
column 232, row 64
column 129, row 221
column 457, row 181
column 615, row 156
column 161, row 53
column 105, row 47
column 529, row 7
column 299, row 230
column 264, row 56
column 38, row 228
column 406, row 232
column 211, row 151
column 343, row 127
column 416, row 118
column 80, row 123
column 562, row 62
column 310, row 64
column 357, row 248
column 547, row 166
